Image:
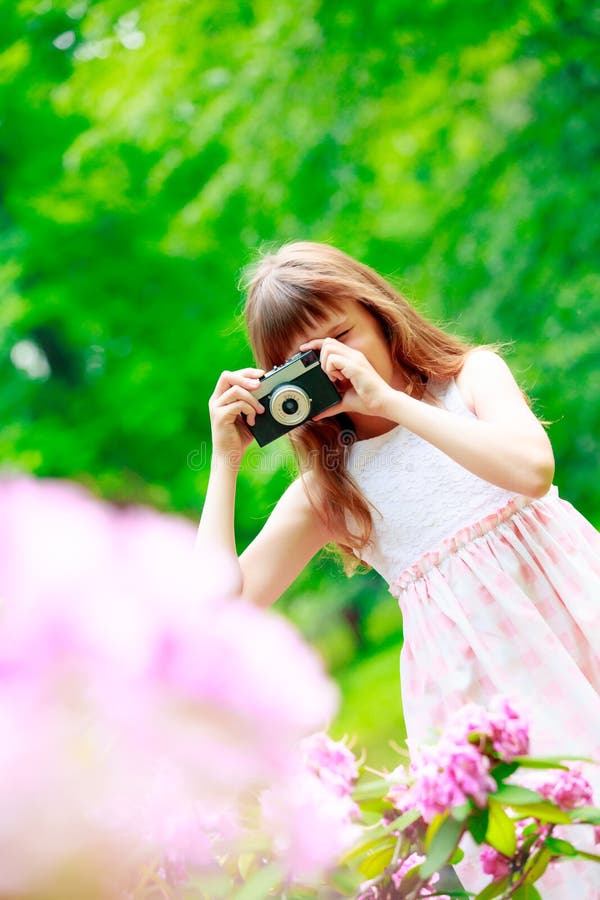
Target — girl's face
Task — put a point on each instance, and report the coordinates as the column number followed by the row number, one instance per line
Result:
column 352, row 324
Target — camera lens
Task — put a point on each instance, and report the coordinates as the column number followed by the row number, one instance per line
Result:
column 289, row 405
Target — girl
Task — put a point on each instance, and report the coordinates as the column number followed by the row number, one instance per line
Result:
column 434, row 471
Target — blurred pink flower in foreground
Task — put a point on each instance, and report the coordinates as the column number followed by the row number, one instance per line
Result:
column 138, row 694
column 332, row 761
column 310, row 815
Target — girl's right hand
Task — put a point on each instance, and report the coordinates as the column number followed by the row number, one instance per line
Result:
column 230, row 398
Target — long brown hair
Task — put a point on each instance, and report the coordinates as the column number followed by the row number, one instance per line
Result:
column 297, row 287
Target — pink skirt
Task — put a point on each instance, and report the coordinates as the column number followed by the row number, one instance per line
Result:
column 511, row 605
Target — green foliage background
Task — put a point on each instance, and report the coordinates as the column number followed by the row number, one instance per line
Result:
column 148, row 150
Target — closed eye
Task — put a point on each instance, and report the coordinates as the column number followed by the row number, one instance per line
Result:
column 341, row 334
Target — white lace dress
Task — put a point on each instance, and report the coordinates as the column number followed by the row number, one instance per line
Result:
column 499, row 594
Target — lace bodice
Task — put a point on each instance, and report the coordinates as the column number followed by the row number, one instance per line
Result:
column 421, row 494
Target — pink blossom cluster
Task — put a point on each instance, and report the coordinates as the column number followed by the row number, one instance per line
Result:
column 502, row 725
column 447, row 774
column 311, row 816
column 495, row 863
column 378, row 891
column 139, row 696
column 332, row 761
column 400, row 794
column 310, row 826
column 568, row 789
column 409, row 863
column 458, row 767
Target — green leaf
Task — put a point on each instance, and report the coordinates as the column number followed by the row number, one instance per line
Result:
column 247, row 862
column 403, row 821
column 564, row 848
column 593, row 857
column 503, row 770
column 526, row 892
column 495, row 889
column 434, row 827
column 260, row 883
column 376, row 862
column 378, row 836
column 515, row 795
column 345, row 882
column 477, row 825
column 456, row 857
column 545, row 812
column 218, row 886
column 442, row 846
column 368, row 790
column 536, row 865
column 374, row 804
column 550, row 762
column 590, row 815
column 547, row 762
column 444, row 892
column 500, row 832
column 460, row 813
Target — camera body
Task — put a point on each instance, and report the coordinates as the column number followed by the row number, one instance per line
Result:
column 291, row 393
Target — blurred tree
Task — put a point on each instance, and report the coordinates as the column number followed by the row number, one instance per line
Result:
column 148, row 151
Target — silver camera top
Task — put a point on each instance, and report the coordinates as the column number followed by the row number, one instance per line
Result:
column 289, row 370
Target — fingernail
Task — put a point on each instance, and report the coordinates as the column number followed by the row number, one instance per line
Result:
column 261, row 407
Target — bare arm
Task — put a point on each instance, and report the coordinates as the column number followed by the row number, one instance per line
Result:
column 230, row 438
column 293, row 532
column 505, row 445
column 291, row 536
column 217, row 520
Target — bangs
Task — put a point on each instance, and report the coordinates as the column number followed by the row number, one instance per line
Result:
column 280, row 313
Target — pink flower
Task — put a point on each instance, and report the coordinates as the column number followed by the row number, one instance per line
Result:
column 494, row 863
column 309, row 824
column 332, row 761
column 447, row 774
column 400, row 793
column 368, row 891
column 569, row 789
column 405, row 866
column 134, row 698
column 510, row 731
column 502, row 725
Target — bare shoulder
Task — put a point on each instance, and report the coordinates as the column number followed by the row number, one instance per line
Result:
column 297, row 494
column 485, row 373
column 488, row 387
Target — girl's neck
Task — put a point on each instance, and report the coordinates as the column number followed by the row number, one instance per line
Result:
column 370, row 426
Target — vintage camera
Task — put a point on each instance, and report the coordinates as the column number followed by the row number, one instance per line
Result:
column 291, row 393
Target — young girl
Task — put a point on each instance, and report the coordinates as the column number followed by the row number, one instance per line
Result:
column 434, row 471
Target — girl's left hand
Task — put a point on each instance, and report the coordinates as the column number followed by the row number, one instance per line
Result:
column 362, row 387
